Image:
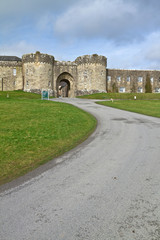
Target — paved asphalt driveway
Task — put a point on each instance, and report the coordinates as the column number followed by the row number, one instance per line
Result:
column 108, row 188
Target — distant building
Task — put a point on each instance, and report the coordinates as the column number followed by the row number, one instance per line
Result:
column 87, row 74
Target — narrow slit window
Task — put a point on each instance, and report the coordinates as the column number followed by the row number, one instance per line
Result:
column 151, row 79
column 140, row 79
column 128, row 78
column 119, row 78
column 108, row 78
column 14, row 71
column 140, row 89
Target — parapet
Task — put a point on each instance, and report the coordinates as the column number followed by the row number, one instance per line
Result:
column 37, row 57
column 65, row 63
column 94, row 59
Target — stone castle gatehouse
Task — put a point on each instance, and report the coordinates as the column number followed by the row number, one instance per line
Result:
column 87, row 74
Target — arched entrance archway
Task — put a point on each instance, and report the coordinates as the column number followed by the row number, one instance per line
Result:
column 65, row 85
column 64, row 88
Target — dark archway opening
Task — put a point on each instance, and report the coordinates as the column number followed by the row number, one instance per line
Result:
column 63, row 88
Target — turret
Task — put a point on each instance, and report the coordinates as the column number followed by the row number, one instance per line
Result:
column 91, row 71
column 37, row 72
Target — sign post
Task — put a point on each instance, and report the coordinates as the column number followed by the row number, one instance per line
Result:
column 1, row 79
column 45, row 94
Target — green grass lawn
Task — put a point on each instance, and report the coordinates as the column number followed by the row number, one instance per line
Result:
column 147, row 107
column 129, row 96
column 33, row 131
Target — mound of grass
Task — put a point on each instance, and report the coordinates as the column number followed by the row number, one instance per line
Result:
column 125, row 96
column 150, row 108
column 33, row 132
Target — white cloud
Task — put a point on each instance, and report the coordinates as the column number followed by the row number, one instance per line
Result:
column 17, row 49
column 153, row 47
column 136, row 55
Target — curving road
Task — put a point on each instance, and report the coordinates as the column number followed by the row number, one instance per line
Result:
column 107, row 188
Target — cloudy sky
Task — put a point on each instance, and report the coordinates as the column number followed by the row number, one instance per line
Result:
column 127, row 32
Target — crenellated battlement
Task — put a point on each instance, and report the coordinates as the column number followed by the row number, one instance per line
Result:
column 92, row 59
column 37, row 57
column 65, row 63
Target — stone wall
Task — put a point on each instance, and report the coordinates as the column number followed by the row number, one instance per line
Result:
column 10, row 75
column 131, row 80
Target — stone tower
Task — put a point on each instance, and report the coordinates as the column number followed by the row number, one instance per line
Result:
column 91, row 72
column 37, row 72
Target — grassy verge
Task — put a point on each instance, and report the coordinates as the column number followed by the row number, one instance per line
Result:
column 125, row 96
column 33, row 132
column 150, row 108
column 18, row 95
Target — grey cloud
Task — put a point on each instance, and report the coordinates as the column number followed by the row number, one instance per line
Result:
column 17, row 13
column 97, row 17
column 117, row 20
column 30, row 7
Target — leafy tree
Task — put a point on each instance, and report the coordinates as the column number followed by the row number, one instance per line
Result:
column 114, row 88
column 148, row 86
column 133, row 88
